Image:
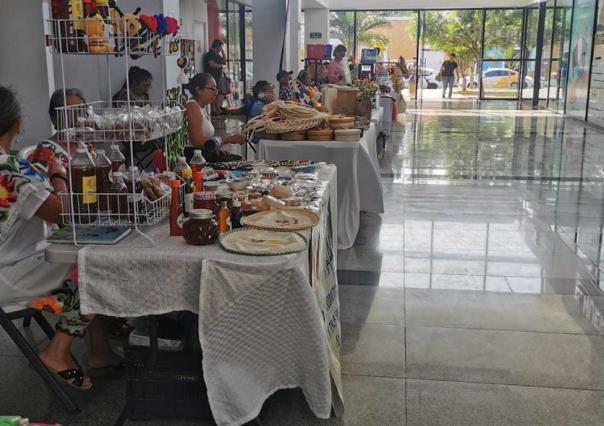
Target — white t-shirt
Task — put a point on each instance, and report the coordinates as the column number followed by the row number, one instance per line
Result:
column 207, row 128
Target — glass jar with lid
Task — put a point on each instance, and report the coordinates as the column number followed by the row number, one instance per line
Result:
column 201, row 229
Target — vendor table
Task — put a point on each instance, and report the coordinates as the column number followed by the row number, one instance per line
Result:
column 262, row 326
column 359, row 181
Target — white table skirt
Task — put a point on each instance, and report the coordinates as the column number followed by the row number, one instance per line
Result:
column 261, row 324
column 387, row 103
column 359, row 179
column 377, row 118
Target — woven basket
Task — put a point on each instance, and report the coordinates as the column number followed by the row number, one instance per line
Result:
column 288, row 126
column 320, row 135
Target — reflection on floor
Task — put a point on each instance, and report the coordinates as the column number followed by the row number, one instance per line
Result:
column 476, row 299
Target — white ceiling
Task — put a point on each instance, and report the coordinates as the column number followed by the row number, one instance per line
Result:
column 413, row 4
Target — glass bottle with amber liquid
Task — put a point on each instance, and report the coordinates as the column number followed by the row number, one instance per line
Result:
column 103, row 180
column 83, row 178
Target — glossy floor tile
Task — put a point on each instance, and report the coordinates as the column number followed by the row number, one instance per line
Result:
column 452, row 403
column 476, row 298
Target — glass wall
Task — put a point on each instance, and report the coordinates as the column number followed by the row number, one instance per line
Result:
column 502, row 66
column 596, row 92
column 580, row 58
column 231, row 18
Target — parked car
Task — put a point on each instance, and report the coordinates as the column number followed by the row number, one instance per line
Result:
column 429, row 79
column 503, row 78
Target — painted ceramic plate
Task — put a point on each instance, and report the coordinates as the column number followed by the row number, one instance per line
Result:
column 258, row 242
column 282, row 220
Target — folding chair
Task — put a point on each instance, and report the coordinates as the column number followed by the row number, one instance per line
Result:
column 26, row 314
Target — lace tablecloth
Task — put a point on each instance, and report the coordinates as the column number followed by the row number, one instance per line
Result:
column 261, row 328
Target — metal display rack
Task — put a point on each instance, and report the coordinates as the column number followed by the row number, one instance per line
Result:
column 128, row 121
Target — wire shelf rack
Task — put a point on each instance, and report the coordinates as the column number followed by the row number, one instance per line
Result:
column 111, row 209
column 104, row 121
column 119, row 36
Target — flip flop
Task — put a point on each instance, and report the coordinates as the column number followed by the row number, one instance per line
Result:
column 74, row 377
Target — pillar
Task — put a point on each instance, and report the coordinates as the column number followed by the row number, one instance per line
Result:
column 316, row 23
column 268, row 31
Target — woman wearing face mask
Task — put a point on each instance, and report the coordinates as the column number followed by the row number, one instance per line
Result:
column 55, row 147
column 264, row 93
column 200, row 128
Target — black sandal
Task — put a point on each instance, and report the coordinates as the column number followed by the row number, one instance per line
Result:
column 74, row 377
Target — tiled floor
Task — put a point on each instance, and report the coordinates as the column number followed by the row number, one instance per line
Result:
column 475, row 299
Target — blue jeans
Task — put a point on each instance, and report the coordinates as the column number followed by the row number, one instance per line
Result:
column 448, row 80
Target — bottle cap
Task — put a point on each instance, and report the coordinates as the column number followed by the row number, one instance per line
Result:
column 183, row 159
column 197, row 152
column 236, row 203
column 197, row 175
column 175, row 184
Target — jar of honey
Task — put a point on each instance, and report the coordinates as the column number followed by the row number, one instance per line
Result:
column 201, row 229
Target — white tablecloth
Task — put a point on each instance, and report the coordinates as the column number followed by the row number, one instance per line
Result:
column 261, row 327
column 377, row 118
column 387, row 103
column 359, row 179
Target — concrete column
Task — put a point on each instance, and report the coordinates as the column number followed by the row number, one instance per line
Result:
column 268, row 31
column 316, row 21
column 295, row 12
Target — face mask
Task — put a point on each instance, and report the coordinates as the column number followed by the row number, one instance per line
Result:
column 261, row 96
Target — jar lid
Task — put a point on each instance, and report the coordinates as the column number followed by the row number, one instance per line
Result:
column 205, row 195
column 202, row 214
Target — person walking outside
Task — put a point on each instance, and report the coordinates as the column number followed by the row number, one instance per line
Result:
column 449, row 71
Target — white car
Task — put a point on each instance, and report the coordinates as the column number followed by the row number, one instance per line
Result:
column 503, row 78
column 429, row 79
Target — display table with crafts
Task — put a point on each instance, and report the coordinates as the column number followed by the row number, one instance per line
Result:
column 359, row 181
column 265, row 322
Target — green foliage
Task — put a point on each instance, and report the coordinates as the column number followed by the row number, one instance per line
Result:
column 460, row 32
column 342, row 27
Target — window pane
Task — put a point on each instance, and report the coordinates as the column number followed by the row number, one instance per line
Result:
column 500, row 80
column 503, row 34
column 341, row 29
column 394, row 33
column 532, row 24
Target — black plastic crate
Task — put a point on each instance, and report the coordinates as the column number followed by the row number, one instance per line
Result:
column 176, row 388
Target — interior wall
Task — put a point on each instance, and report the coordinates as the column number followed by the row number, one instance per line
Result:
column 316, row 21
column 24, row 65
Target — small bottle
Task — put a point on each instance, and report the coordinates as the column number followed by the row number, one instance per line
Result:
column 103, row 179
column 198, row 181
column 118, row 203
column 198, row 162
column 236, row 215
column 223, row 218
column 189, row 199
column 83, row 177
column 117, row 159
column 175, row 209
column 182, row 167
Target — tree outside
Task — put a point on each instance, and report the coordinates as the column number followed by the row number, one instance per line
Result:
column 460, row 32
column 342, row 27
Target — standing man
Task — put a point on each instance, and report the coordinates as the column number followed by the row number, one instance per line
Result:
column 448, row 72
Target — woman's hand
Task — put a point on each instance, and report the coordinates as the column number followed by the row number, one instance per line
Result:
column 235, row 139
column 56, row 168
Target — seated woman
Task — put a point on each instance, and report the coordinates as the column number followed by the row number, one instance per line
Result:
column 55, row 147
column 286, row 90
column 199, row 126
column 139, row 81
column 264, row 93
column 308, row 94
column 27, row 201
